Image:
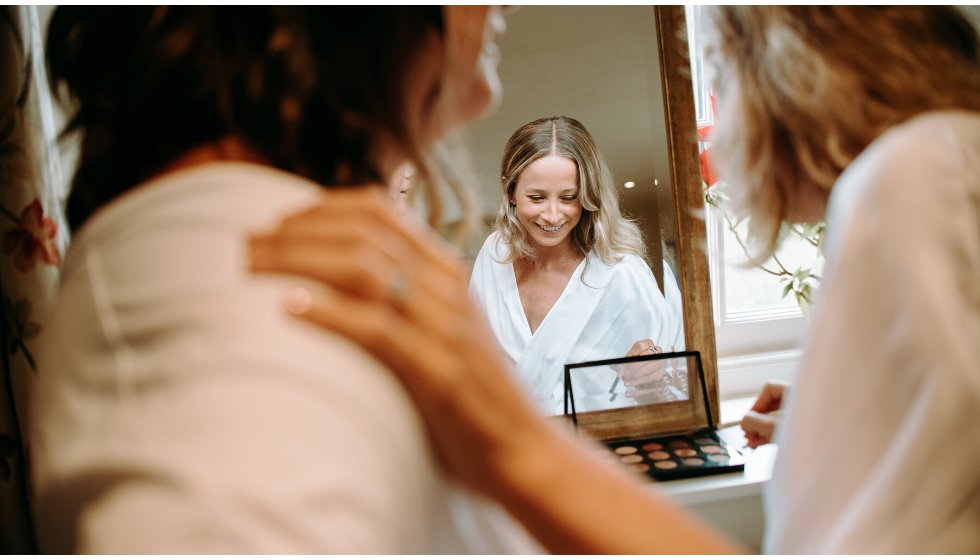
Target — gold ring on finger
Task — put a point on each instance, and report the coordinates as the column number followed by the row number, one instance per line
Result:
column 399, row 288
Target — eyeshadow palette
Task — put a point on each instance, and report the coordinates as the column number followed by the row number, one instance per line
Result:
column 679, row 456
column 653, row 414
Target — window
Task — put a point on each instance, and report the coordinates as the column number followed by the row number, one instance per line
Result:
column 758, row 331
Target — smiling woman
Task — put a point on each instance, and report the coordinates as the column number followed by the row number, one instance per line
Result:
column 546, row 200
column 563, row 278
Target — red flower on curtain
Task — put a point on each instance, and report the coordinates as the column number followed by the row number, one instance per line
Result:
column 32, row 239
column 704, row 135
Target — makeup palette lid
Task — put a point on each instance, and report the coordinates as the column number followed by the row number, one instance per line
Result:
column 638, row 396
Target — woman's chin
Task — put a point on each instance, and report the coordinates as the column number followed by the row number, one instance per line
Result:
column 549, row 241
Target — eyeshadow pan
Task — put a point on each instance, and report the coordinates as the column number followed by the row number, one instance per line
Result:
column 625, row 450
column 693, row 462
column 631, row 459
column 653, row 447
column 711, row 448
column 720, row 458
column 665, row 465
column 679, row 443
column 685, row 452
column 640, row 467
column 659, row 455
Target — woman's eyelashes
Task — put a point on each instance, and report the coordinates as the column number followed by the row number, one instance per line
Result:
column 539, row 198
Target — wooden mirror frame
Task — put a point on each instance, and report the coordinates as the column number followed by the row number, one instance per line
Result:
column 681, row 207
column 692, row 258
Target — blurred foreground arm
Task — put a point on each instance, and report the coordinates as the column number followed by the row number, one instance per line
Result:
column 392, row 287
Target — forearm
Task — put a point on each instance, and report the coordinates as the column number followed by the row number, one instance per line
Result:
column 574, row 502
column 486, row 430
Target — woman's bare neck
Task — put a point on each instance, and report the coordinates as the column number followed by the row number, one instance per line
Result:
column 549, row 258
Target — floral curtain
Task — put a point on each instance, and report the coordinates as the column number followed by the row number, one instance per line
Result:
column 33, row 238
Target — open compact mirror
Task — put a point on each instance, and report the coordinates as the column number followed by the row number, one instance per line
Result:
column 653, row 414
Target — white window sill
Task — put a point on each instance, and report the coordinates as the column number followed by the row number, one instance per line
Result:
column 732, row 411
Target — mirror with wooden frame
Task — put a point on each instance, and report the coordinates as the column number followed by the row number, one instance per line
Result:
column 624, row 72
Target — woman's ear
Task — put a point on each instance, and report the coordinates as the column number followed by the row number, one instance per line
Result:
column 471, row 60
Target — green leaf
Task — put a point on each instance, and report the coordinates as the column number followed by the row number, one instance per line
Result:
column 805, row 290
column 787, row 289
column 812, row 229
column 804, row 305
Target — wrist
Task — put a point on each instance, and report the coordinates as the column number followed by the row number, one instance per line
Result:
column 541, row 485
column 561, row 489
column 529, row 458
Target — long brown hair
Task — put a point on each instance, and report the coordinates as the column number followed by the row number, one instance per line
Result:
column 309, row 89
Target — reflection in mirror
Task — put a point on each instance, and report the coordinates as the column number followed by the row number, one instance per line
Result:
column 605, row 386
column 600, row 66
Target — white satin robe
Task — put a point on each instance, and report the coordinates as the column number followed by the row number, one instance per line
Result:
column 600, row 314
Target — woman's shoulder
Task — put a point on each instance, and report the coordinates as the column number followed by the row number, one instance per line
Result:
column 492, row 239
column 931, row 141
column 220, row 192
column 625, row 267
column 214, row 204
column 930, row 159
column 494, row 247
column 960, row 121
column 623, row 261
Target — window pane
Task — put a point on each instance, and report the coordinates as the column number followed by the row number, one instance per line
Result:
column 751, row 289
column 702, row 109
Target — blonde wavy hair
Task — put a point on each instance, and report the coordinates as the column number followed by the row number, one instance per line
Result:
column 602, row 227
column 802, row 90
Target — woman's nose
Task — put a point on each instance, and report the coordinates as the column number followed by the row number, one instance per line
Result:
column 551, row 211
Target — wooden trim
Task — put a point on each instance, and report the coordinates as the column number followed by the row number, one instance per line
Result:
column 675, row 69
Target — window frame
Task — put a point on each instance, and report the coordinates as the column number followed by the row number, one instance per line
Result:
column 756, row 344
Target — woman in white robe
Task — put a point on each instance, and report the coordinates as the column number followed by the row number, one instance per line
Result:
column 603, row 310
column 563, row 279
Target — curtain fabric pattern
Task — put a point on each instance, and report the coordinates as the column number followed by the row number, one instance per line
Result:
column 33, row 238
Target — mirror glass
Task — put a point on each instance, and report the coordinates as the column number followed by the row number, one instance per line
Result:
column 601, row 66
